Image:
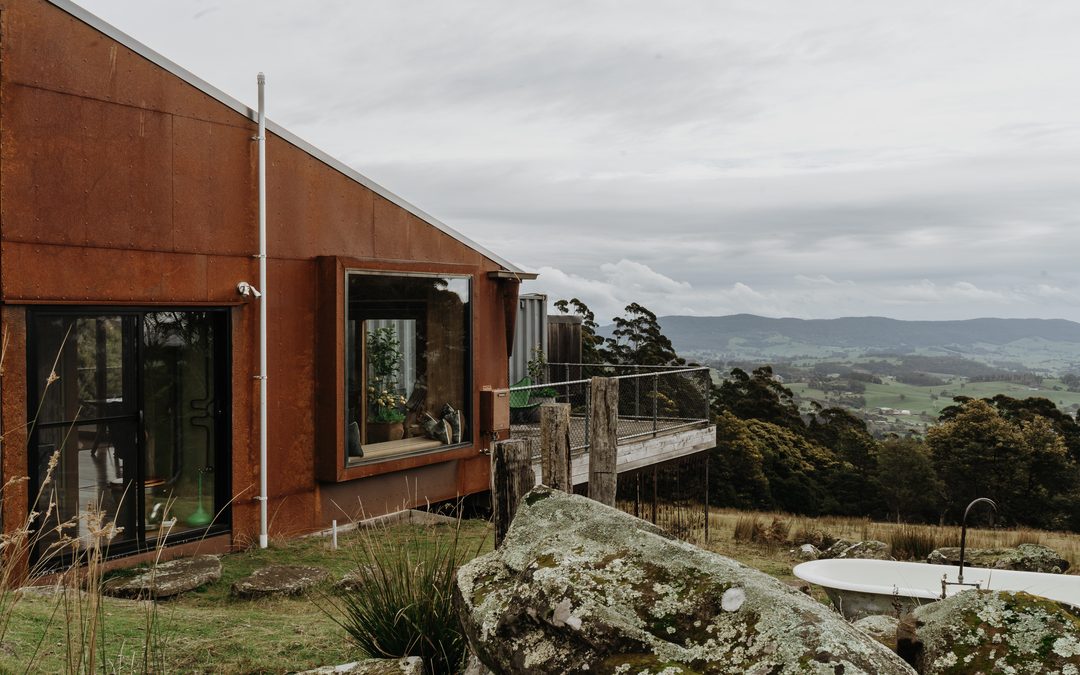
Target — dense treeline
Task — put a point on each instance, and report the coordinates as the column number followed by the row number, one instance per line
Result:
column 1029, row 379
column 1024, row 454
column 921, row 380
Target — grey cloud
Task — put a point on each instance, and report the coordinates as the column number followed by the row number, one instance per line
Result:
column 839, row 157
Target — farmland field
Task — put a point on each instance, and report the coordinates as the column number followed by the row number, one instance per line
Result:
column 926, row 403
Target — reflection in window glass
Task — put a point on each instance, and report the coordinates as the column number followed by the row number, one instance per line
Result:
column 178, row 378
column 84, row 441
column 407, row 364
column 127, row 428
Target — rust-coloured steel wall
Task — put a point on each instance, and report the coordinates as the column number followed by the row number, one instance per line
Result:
column 122, row 184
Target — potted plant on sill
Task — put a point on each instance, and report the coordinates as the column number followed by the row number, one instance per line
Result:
column 386, row 417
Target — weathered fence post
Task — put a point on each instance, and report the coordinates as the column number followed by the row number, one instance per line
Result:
column 512, row 476
column 603, row 439
column 556, row 470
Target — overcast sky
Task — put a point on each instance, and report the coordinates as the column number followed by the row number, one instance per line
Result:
column 917, row 160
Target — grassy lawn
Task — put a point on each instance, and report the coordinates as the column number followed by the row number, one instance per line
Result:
column 210, row 631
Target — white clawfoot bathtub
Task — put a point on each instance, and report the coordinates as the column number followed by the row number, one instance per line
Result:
column 860, row 588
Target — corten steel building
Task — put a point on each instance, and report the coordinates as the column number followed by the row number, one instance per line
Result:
column 128, row 217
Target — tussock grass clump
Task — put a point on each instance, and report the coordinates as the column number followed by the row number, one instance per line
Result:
column 753, row 530
column 807, row 533
column 748, row 529
column 401, row 601
column 915, row 542
column 778, row 531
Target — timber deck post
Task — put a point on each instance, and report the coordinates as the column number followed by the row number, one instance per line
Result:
column 555, row 463
column 603, row 438
column 512, row 476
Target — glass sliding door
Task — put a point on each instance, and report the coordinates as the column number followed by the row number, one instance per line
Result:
column 84, row 440
column 130, row 430
column 180, row 403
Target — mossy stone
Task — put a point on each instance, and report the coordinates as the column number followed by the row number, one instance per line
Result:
column 578, row 587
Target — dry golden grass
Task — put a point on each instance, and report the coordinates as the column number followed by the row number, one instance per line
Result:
column 753, row 538
column 762, row 539
column 724, row 524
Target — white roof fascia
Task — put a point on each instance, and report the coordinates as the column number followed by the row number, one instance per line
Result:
column 202, row 85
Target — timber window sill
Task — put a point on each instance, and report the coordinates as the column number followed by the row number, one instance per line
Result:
column 403, row 449
column 406, row 446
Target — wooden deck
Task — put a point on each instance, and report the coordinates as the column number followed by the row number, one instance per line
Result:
column 630, row 430
column 639, row 445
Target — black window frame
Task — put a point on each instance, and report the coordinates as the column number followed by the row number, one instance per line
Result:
column 222, row 523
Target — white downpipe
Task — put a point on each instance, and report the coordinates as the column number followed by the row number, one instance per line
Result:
column 263, row 533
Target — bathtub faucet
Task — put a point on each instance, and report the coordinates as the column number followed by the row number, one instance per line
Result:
column 963, row 531
column 963, row 545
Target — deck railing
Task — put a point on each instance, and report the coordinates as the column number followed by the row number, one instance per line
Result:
column 653, row 400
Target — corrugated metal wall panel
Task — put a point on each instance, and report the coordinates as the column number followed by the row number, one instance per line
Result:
column 531, row 330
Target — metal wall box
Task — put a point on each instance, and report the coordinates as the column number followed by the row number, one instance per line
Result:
column 494, row 413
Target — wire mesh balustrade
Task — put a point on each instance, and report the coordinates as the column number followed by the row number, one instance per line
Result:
column 653, row 400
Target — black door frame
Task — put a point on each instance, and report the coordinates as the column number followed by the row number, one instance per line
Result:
column 132, row 361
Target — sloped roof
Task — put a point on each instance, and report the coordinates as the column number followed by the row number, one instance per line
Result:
column 210, row 90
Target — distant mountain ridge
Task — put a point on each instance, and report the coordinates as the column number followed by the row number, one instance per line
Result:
column 697, row 333
column 1040, row 345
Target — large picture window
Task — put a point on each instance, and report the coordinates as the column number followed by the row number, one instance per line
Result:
column 407, row 364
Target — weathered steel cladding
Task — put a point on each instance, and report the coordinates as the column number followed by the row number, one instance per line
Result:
column 13, row 418
column 122, row 184
column 47, row 48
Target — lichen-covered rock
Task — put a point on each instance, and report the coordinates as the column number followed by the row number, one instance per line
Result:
column 473, row 666
column 279, row 580
column 880, row 627
column 806, row 552
column 410, row 665
column 992, row 632
column 870, row 549
column 799, row 585
column 1025, row 558
column 837, row 547
column 354, row 579
column 47, row 591
column 580, row 587
column 167, row 579
column 1035, row 558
